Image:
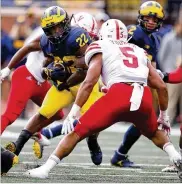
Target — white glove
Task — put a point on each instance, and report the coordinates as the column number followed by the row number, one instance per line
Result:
column 68, row 122
column 160, row 73
column 163, row 121
column 4, row 73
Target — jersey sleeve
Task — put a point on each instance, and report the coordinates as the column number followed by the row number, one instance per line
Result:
column 79, row 39
column 93, row 48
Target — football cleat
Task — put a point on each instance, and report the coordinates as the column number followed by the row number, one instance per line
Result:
column 170, row 168
column 41, row 139
column 38, row 149
column 95, row 151
column 39, row 143
column 120, row 160
column 8, row 160
column 11, row 146
column 37, row 173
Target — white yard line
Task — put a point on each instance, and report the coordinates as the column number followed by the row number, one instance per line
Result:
column 102, row 166
column 106, row 175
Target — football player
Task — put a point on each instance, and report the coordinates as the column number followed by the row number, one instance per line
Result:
column 35, row 87
column 150, row 20
column 87, row 22
column 65, row 46
column 126, row 71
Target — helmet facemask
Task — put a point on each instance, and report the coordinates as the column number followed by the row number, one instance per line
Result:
column 144, row 23
column 57, row 32
column 55, row 24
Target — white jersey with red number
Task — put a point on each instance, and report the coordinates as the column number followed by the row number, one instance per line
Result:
column 35, row 60
column 122, row 62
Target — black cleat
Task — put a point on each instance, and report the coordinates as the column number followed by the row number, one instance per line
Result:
column 8, row 160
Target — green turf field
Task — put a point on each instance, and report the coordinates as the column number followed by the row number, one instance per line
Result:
column 78, row 167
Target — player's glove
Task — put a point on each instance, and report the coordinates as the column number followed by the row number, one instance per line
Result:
column 4, row 73
column 61, row 86
column 163, row 75
column 68, row 124
column 57, row 72
column 163, row 122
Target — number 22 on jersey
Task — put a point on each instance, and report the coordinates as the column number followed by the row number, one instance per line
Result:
column 132, row 61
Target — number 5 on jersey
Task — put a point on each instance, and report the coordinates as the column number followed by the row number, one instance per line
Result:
column 132, row 61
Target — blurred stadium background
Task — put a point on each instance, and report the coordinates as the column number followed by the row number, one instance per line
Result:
column 18, row 19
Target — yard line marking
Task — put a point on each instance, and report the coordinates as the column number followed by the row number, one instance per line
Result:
column 99, row 174
column 91, row 164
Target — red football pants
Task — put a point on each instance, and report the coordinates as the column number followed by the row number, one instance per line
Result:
column 23, row 87
column 115, row 107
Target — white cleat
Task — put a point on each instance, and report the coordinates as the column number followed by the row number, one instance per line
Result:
column 170, row 168
column 37, row 173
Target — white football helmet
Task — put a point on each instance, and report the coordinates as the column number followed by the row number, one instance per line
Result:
column 113, row 29
column 85, row 21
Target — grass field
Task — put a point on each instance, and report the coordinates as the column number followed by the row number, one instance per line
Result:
column 78, row 167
